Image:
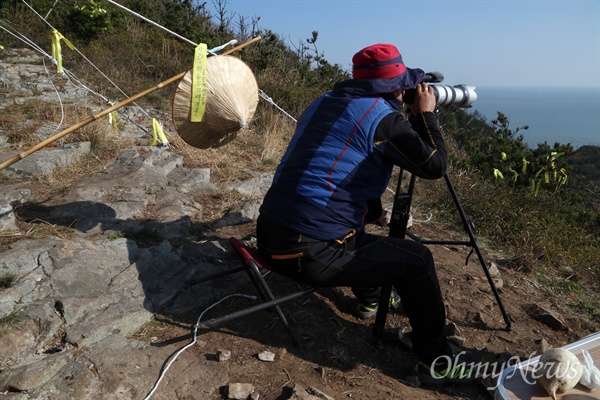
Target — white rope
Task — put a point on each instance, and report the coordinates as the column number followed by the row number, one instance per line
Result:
column 270, row 100
column 24, row 39
column 164, row 372
column 152, row 22
column 62, row 109
column 212, row 51
column 72, row 78
column 50, row 10
column 429, row 217
column 92, row 64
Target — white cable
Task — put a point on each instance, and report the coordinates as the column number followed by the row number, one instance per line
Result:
column 162, row 375
column 152, row 22
column 270, row 100
column 24, row 39
column 211, row 51
column 62, row 109
column 50, row 10
column 72, row 78
column 429, row 217
column 91, row 63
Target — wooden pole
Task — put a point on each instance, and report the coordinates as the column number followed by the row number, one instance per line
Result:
column 88, row 120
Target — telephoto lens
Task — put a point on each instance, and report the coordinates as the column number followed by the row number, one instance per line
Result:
column 459, row 95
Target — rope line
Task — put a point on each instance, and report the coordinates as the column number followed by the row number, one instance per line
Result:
column 153, row 23
column 270, row 100
column 62, row 109
column 164, row 372
column 72, row 78
column 90, row 62
column 212, row 51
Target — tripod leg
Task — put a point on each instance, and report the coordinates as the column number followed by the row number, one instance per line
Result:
column 469, row 229
column 398, row 226
column 401, row 208
column 382, row 310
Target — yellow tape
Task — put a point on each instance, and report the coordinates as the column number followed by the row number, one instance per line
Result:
column 112, row 119
column 524, row 165
column 199, row 84
column 158, row 133
column 56, row 50
column 56, row 53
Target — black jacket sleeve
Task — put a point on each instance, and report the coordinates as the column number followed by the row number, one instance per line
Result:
column 415, row 145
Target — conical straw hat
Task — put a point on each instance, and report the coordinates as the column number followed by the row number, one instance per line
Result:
column 231, row 100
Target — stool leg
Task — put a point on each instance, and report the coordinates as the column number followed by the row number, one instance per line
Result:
column 264, row 290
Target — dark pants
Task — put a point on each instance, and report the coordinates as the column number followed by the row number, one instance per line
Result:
column 364, row 261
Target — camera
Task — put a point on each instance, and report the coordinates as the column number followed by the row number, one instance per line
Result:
column 460, row 95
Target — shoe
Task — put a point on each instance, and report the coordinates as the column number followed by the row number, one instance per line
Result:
column 445, row 370
column 366, row 311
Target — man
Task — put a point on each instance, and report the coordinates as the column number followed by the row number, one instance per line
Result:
column 328, row 187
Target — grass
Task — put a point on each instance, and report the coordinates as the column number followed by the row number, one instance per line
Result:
column 115, row 235
column 7, row 279
column 591, row 309
column 156, row 329
column 145, row 237
column 256, row 149
column 559, row 286
column 12, row 319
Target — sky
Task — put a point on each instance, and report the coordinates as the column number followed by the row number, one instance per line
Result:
column 486, row 43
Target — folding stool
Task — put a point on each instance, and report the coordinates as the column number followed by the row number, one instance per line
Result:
column 252, row 264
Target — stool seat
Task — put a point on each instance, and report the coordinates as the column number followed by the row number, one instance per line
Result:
column 253, row 264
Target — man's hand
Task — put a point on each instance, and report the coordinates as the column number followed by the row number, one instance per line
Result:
column 424, row 100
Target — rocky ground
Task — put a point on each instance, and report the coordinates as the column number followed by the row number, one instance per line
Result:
column 106, row 294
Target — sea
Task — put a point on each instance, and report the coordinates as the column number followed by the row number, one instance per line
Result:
column 554, row 115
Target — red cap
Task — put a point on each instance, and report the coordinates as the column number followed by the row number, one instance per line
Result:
column 382, row 64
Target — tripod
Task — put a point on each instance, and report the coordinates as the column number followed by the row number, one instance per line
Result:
column 398, row 228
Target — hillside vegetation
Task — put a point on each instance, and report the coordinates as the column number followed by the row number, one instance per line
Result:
column 541, row 204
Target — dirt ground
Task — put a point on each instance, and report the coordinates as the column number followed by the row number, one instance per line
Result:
column 341, row 357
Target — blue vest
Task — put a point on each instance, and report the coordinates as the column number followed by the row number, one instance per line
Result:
column 330, row 172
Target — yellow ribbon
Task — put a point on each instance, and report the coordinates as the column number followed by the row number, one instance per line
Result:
column 524, row 165
column 112, row 119
column 158, row 133
column 199, row 84
column 56, row 50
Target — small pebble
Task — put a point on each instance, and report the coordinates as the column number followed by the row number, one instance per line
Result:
column 266, row 356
